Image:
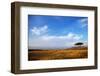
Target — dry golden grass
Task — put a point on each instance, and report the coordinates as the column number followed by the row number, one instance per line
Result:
column 58, row 54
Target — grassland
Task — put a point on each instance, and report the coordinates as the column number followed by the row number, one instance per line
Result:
column 71, row 53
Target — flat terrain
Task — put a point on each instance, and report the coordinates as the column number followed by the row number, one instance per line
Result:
column 70, row 53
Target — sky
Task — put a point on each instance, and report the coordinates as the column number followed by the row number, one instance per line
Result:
column 55, row 32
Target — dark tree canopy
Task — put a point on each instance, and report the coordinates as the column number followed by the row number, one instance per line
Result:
column 79, row 43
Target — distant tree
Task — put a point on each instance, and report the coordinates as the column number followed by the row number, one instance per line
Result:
column 79, row 44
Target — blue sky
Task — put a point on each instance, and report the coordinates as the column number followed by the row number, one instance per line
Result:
column 56, row 31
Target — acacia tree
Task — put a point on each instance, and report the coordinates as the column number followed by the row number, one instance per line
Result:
column 79, row 44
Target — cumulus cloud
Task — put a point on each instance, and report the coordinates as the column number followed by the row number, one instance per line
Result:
column 67, row 37
column 39, row 30
column 47, row 41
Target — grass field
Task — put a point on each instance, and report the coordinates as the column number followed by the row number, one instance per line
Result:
column 70, row 53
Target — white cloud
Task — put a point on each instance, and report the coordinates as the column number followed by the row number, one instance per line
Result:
column 74, row 36
column 39, row 30
column 83, row 22
column 68, row 37
column 46, row 41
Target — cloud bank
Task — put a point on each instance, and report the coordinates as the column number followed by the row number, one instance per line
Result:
column 42, row 40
